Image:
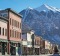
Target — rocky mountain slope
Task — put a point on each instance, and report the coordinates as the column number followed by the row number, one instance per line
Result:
column 44, row 20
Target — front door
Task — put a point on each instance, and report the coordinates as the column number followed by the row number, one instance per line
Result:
column 3, row 48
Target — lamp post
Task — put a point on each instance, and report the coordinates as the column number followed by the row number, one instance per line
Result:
column 32, row 41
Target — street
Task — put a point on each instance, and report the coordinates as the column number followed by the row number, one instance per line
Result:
column 26, row 55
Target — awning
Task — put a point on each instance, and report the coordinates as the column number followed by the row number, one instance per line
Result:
column 36, row 46
column 15, row 41
column 3, row 40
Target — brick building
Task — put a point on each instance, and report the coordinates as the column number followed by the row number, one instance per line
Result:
column 13, row 28
column 38, row 44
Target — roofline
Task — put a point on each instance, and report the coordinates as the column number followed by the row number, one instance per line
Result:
column 9, row 9
column 24, row 31
column 3, row 18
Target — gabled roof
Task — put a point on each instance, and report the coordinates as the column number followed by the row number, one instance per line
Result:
column 9, row 9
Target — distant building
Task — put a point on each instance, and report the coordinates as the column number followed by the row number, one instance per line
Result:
column 46, row 47
column 37, row 42
column 27, row 42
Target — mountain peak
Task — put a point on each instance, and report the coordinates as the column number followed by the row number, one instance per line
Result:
column 46, row 8
column 45, row 24
column 29, row 8
column 44, row 5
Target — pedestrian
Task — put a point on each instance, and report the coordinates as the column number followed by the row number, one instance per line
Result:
column 19, row 51
column 56, row 51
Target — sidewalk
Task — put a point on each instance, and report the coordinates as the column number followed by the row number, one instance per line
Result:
column 4, row 55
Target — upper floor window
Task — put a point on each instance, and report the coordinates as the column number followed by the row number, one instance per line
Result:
column 10, row 33
column 15, row 33
column 15, row 23
column 20, row 25
column 20, row 35
column 10, row 21
column 3, row 31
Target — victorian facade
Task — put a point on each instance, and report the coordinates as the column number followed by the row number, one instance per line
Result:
column 3, row 35
column 13, row 29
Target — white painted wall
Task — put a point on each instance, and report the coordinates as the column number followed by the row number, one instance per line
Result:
column 47, row 45
column 3, row 24
column 24, row 42
column 28, row 41
column 29, row 37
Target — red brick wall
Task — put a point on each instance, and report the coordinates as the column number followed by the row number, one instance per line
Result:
column 12, row 19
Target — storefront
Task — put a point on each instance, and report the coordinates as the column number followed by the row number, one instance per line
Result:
column 37, row 49
column 3, row 47
column 29, row 51
column 24, row 50
column 15, row 48
column 24, row 47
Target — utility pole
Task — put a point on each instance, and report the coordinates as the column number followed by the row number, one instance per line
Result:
column 33, row 49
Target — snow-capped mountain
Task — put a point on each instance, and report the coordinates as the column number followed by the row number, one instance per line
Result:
column 46, row 8
column 45, row 20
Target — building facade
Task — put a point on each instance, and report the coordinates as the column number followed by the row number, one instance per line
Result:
column 14, row 29
column 3, row 35
column 27, row 42
column 37, row 45
column 46, row 47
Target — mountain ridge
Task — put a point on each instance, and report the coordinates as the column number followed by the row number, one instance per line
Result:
column 44, row 23
column 46, row 7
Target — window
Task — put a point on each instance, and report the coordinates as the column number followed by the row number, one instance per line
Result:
column 16, row 24
column 10, row 21
column 13, row 22
column 10, row 33
column 20, row 25
column 37, row 42
column 15, row 33
column 20, row 35
column 0, row 30
column 3, row 31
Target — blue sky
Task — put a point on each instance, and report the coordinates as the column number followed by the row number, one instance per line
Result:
column 19, row 5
